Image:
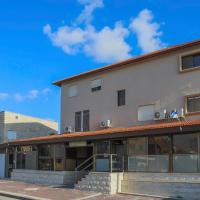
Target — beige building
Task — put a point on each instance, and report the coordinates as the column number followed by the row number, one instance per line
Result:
column 162, row 81
column 132, row 127
column 16, row 126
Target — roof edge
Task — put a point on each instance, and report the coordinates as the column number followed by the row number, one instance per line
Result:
column 141, row 58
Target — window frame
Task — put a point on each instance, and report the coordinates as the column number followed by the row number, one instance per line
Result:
column 118, row 102
column 189, row 53
column 97, row 88
column 68, row 91
column 186, row 103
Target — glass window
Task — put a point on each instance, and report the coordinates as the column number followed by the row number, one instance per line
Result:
column 137, row 146
column 103, row 147
column 193, row 104
column 121, row 97
column 185, row 144
column 159, row 145
column 190, row 61
column 86, row 120
column 146, row 113
column 96, row 85
column 11, row 135
column 185, row 158
column 73, row 91
column 137, row 154
column 78, row 121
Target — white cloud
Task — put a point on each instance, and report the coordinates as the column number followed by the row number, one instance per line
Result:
column 148, row 32
column 4, row 96
column 89, row 6
column 108, row 45
column 18, row 97
column 32, row 94
column 69, row 39
column 46, row 91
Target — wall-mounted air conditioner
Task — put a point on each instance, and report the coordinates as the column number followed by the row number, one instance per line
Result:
column 69, row 129
column 105, row 124
column 169, row 114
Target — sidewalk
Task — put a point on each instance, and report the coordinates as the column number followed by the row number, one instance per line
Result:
column 38, row 192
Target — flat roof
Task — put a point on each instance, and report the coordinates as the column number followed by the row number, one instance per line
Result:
column 138, row 59
column 110, row 133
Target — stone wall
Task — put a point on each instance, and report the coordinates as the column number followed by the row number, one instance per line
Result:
column 66, row 178
column 103, row 182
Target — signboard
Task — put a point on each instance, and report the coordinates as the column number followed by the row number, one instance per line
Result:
column 78, row 144
column 26, row 148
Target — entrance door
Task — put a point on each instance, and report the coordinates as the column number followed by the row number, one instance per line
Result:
column 77, row 155
column 117, row 153
column 2, row 165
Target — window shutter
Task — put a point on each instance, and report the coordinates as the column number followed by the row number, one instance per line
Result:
column 86, row 120
column 73, row 91
column 121, row 97
column 78, row 121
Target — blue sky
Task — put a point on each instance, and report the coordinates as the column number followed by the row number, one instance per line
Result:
column 42, row 41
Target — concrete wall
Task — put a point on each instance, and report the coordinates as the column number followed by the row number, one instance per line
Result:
column 184, row 186
column 157, row 82
column 24, row 126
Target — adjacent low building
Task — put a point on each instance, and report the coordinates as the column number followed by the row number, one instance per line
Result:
column 15, row 126
column 133, row 126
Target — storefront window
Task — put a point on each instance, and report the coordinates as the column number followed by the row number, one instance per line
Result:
column 159, row 148
column 137, row 154
column 27, row 157
column 51, row 157
column 185, row 158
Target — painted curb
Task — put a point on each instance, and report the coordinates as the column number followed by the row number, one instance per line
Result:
column 20, row 196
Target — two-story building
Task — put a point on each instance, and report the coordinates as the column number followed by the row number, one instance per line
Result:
column 134, row 125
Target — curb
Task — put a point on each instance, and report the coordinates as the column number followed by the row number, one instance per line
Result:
column 20, row 196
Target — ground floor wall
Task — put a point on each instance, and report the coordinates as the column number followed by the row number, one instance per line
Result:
column 66, row 178
column 174, row 185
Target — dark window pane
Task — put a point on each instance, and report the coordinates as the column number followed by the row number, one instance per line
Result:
column 185, row 144
column 137, row 146
column 44, row 150
column 193, row 104
column 121, row 97
column 94, row 89
column 197, row 60
column 103, row 147
column 86, row 120
column 159, row 145
column 187, row 62
column 78, row 121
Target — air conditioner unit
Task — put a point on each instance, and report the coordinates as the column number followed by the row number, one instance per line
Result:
column 105, row 124
column 68, row 129
column 172, row 114
column 161, row 114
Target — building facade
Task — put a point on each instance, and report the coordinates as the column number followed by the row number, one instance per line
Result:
column 17, row 126
column 133, row 126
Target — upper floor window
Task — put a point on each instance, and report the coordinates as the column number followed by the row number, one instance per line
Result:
column 96, row 85
column 11, row 135
column 190, row 61
column 73, row 91
column 82, row 121
column 193, row 104
column 121, row 97
column 146, row 112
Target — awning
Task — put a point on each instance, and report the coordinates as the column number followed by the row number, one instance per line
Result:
column 110, row 133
